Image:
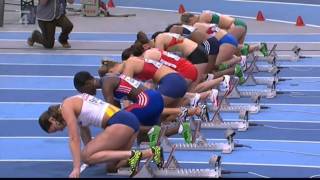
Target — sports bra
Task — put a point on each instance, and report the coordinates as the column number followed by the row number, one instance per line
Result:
column 176, row 39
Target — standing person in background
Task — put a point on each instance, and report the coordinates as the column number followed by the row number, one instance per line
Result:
column 50, row 14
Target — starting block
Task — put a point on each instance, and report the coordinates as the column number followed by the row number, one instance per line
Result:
column 172, row 168
column 269, row 81
column 273, row 57
column 235, row 93
column 254, row 68
column 225, row 106
column 199, row 143
column 218, row 123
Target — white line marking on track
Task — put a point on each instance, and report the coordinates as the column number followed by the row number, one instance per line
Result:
column 210, row 139
column 11, row 64
column 55, row 54
column 109, row 41
column 246, row 17
column 272, row 2
column 185, row 162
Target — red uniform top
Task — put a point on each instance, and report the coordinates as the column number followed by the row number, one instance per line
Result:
column 150, row 67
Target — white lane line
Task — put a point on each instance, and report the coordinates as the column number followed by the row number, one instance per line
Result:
column 246, row 17
column 84, row 32
column 27, row 64
column 184, row 162
column 277, row 121
column 266, row 164
column 272, row 2
column 72, row 40
column 35, row 160
column 210, row 139
column 264, row 104
column 109, row 41
column 56, row 54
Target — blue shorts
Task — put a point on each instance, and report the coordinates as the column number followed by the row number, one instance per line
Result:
column 173, row 85
column 230, row 39
column 149, row 114
column 125, row 118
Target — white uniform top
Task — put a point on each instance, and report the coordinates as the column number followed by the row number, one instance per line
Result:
column 92, row 111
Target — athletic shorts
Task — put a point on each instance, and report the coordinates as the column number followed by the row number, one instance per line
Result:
column 241, row 23
column 211, row 46
column 173, row 85
column 198, row 56
column 125, row 118
column 229, row 39
column 149, row 114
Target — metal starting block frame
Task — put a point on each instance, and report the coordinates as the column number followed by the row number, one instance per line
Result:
column 227, row 107
column 269, row 81
column 273, row 57
column 218, row 123
column 172, row 168
column 254, row 68
column 199, row 143
column 235, row 93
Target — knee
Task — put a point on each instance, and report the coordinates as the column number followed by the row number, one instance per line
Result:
column 68, row 27
column 85, row 157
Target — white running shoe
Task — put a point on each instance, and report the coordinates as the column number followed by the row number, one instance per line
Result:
column 210, row 77
column 243, row 62
column 195, row 100
column 214, row 97
column 226, row 82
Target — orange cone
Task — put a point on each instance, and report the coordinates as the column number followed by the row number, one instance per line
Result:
column 299, row 21
column 181, row 9
column 260, row 16
column 111, row 4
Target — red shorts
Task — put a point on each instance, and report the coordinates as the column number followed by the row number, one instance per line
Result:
column 187, row 70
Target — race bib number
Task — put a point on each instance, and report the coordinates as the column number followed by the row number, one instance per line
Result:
column 134, row 83
column 94, row 100
column 155, row 63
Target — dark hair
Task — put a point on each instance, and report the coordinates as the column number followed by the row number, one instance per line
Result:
column 52, row 111
column 80, row 79
column 170, row 26
column 137, row 49
column 142, row 37
column 126, row 53
column 154, row 35
column 185, row 17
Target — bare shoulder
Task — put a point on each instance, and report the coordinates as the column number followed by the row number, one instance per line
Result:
column 71, row 102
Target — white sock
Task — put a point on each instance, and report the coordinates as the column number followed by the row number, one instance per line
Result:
column 180, row 129
column 151, row 131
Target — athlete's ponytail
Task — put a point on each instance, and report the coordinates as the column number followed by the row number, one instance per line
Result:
column 142, row 37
